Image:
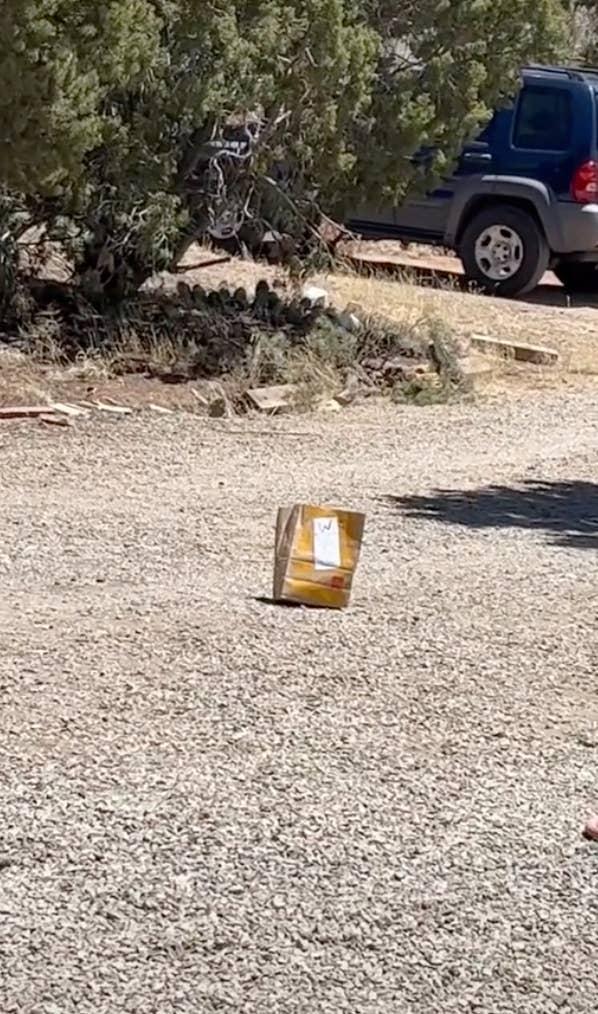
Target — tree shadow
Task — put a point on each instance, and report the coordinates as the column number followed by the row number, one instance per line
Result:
column 566, row 510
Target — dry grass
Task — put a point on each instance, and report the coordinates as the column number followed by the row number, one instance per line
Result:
column 544, row 318
column 323, row 363
column 177, row 338
column 573, row 331
column 22, row 382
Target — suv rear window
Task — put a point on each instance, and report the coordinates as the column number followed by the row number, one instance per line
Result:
column 543, row 121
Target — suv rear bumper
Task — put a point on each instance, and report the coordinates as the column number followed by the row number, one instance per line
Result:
column 576, row 232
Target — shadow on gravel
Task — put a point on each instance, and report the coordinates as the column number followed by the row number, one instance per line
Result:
column 567, row 510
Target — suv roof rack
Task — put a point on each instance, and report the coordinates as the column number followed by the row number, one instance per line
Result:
column 579, row 73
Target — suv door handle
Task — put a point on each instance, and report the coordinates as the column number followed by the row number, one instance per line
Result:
column 477, row 156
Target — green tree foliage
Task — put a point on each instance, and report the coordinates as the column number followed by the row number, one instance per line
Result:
column 59, row 63
column 106, row 109
column 443, row 66
column 301, row 69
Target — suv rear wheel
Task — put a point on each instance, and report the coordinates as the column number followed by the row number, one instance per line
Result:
column 578, row 277
column 504, row 250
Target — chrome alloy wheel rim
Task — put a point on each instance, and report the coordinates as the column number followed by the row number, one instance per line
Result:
column 499, row 252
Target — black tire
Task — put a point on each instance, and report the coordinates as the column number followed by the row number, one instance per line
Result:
column 534, row 250
column 578, row 276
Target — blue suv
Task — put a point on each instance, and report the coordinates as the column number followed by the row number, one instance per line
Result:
column 523, row 196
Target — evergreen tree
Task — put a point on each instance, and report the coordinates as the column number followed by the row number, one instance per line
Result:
column 107, row 111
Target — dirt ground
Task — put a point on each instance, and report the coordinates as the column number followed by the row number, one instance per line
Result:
column 210, row 803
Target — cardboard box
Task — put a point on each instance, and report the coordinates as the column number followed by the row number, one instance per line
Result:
column 316, row 554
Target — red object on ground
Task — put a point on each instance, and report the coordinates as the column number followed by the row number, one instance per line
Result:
column 591, row 829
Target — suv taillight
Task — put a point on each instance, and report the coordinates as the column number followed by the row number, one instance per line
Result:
column 584, row 186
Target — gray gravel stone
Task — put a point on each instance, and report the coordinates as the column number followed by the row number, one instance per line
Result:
column 211, row 804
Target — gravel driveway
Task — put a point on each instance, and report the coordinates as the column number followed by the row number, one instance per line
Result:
column 213, row 804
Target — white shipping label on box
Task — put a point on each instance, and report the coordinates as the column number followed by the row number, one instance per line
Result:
column 327, row 544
